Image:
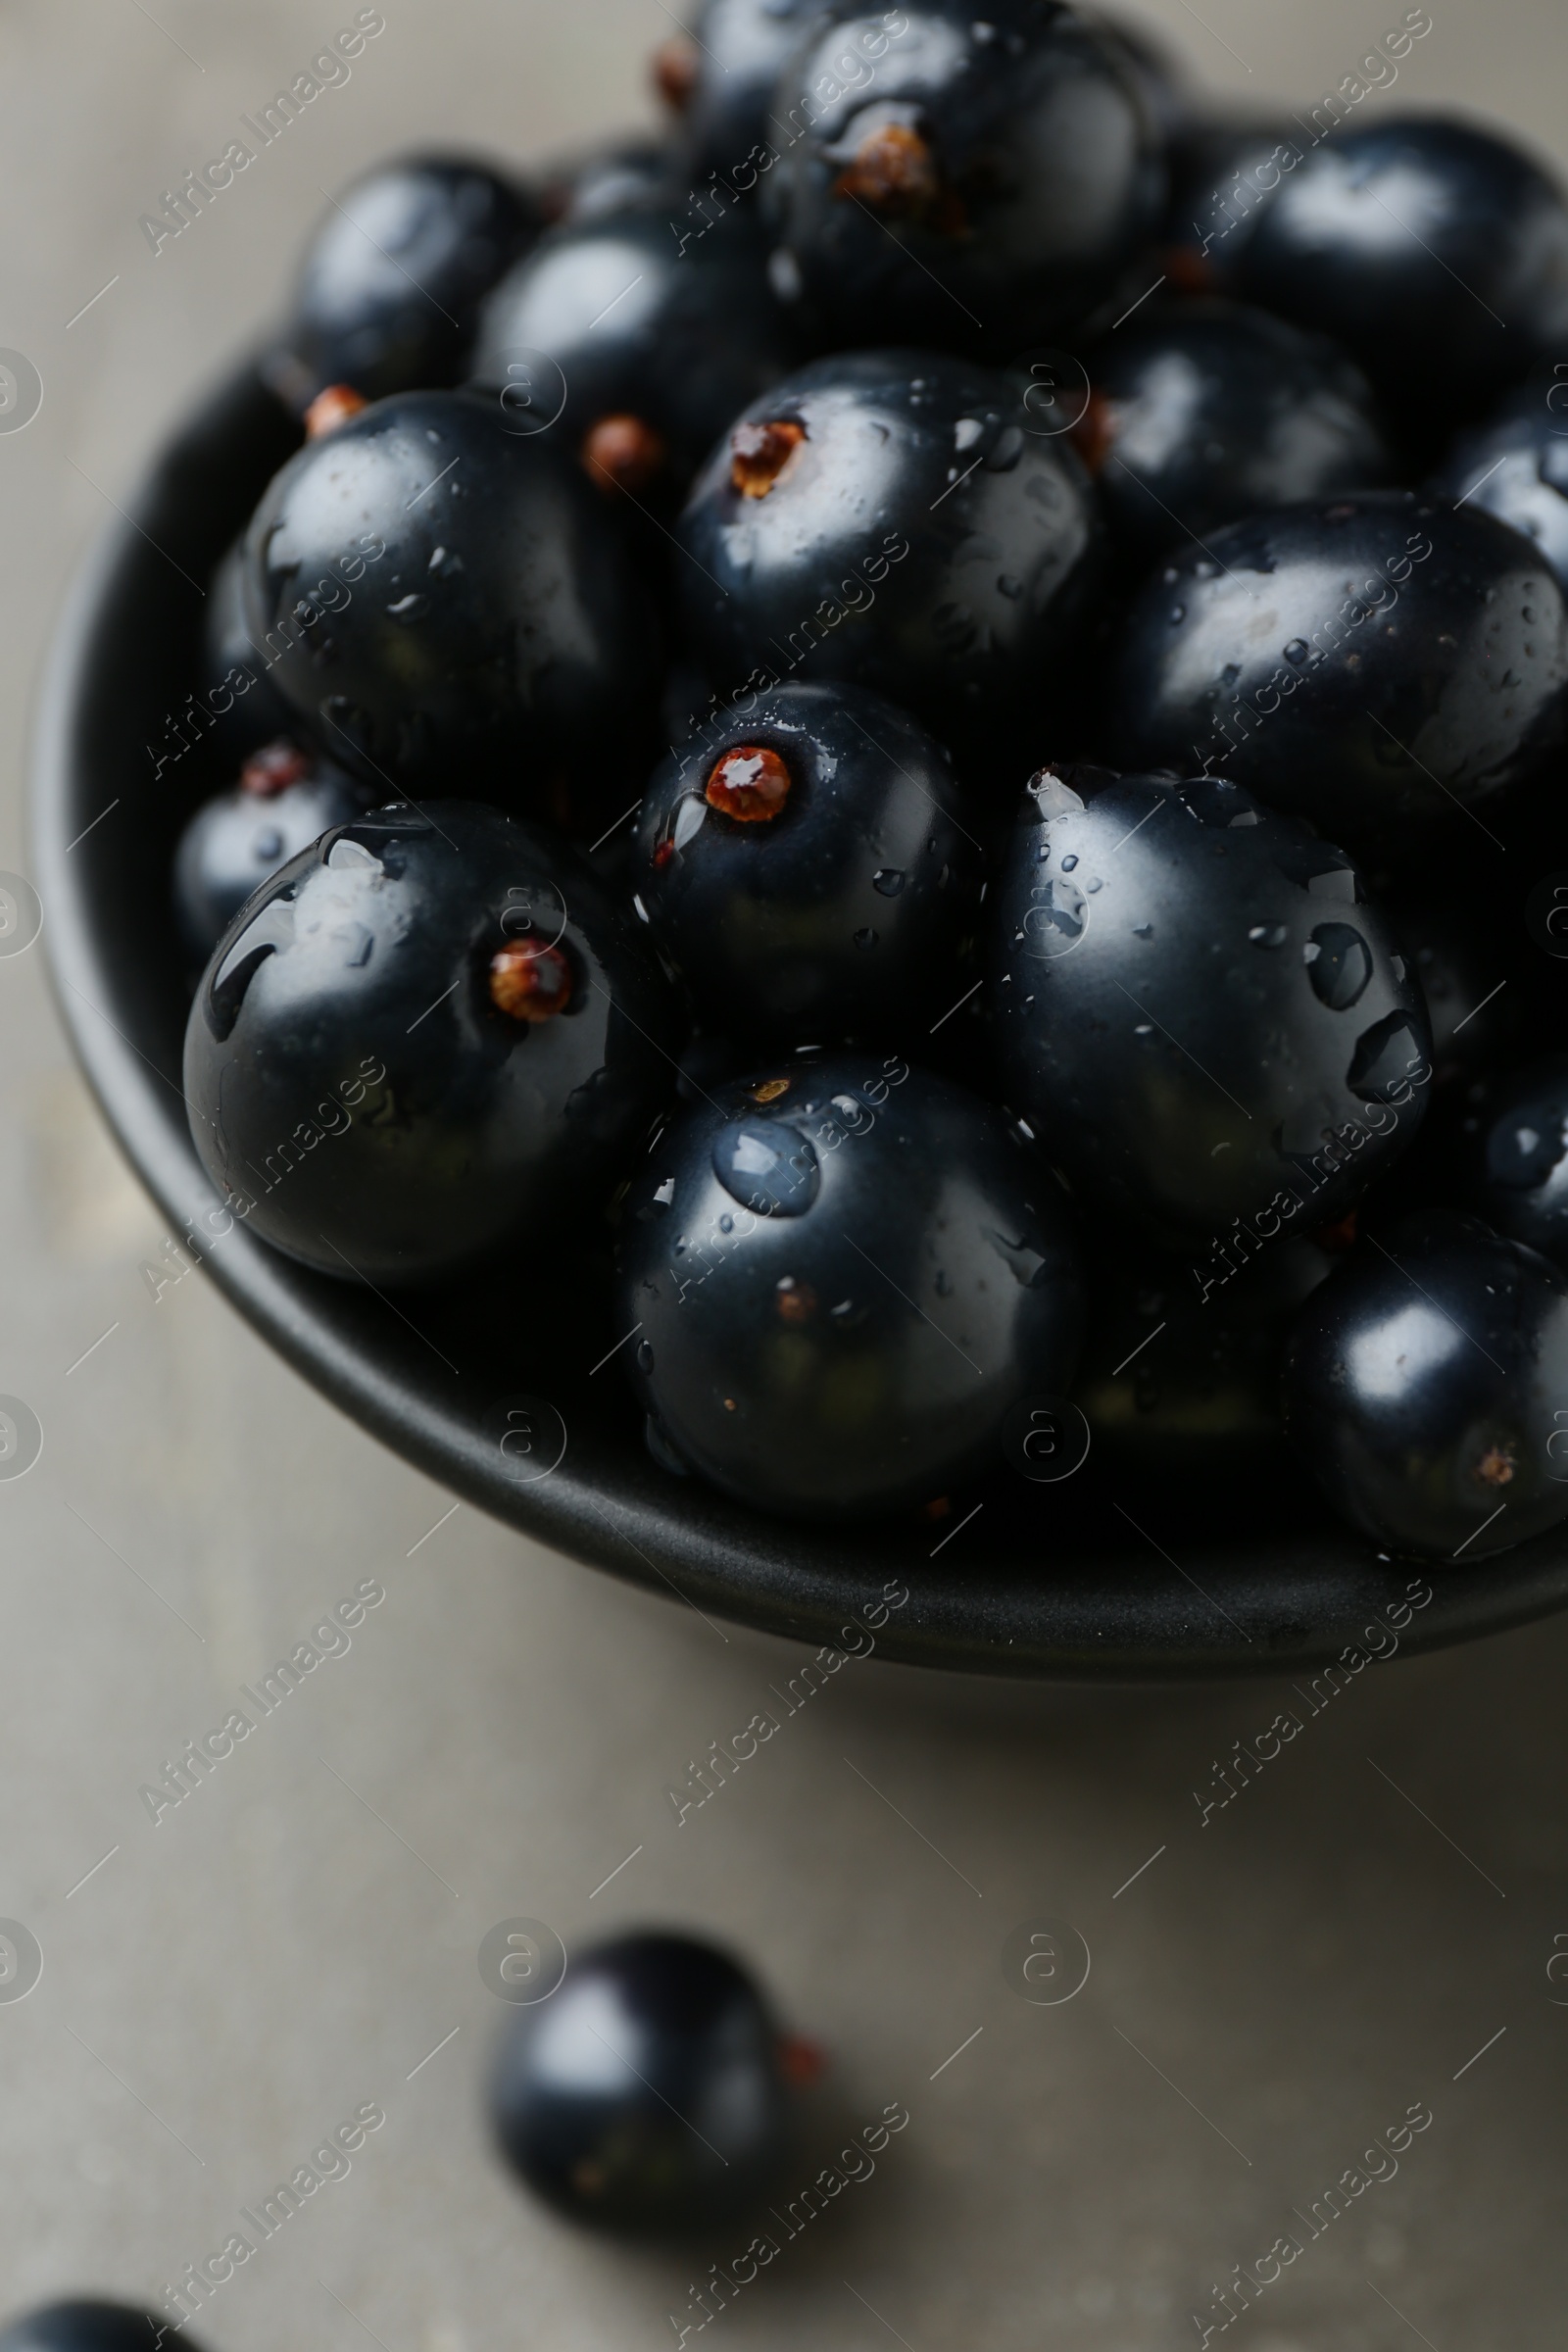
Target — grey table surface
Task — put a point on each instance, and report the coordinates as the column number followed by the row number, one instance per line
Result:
column 1365, row 1928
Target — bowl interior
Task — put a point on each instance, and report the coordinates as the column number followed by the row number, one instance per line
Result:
column 499, row 1388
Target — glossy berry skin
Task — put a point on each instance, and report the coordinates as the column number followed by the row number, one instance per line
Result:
column 238, row 840
column 1436, row 253
column 971, row 182
column 1204, row 412
column 500, row 633
column 846, row 912
column 1515, row 465
column 845, row 1273
column 1516, row 1157
column 643, row 316
column 615, row 179
column 351, row 1073
column 85, row 2324
column 1223, row 169
column 257, row 712
column 1365, row 664
column 718, row 82
column 646, row 2093
column 917, row 538
column 389, row 291
column 1424, row 1386
column 1198, row 1008
column 1179, row 1384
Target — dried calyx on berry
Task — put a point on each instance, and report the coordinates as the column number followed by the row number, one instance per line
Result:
column 759, row 453
column 332, row 408
column 750, row 784
column 529, row 983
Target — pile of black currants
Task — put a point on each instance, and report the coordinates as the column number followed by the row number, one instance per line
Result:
column 858, row 707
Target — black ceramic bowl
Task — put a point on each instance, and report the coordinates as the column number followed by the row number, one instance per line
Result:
column 503, row 1396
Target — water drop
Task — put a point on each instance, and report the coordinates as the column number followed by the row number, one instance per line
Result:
column 889, row 880
column 1267, row 935
column 769, row 1169
column 1297, row 651
column 1008, row 587
column 409, row 609
column 1142, row 930
column 1178, row 614
column 1069, row 861
column 644, row 1357
column 267, row 846
column 1338, row 965
column 865, row 939
column 1387, row 1054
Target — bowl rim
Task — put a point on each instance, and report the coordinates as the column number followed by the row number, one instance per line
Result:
column 1285, row 1601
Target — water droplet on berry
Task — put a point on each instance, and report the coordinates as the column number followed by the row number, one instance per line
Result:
column 770, row 1169
column 1338, row 965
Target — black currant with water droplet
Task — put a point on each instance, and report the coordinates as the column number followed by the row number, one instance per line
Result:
column 1193, row 997
column 811, row 870
column 1425, row 1386
column 888, row 519
column 430, row 1036
column 845, row 1273
column 456, row 606
column 388, row 293
column 1379, row 664
column 649, row 2093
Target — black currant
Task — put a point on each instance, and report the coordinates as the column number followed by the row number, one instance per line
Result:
column 648, row 2092
column 446, row 598
column 1380, row 665
column 963, row 181
column 389, row 290
column 1426, row 1386
column 843, row 1275
column 1198, row 1011
column 811, row 871
column 429, row 1035
column 891, row 519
